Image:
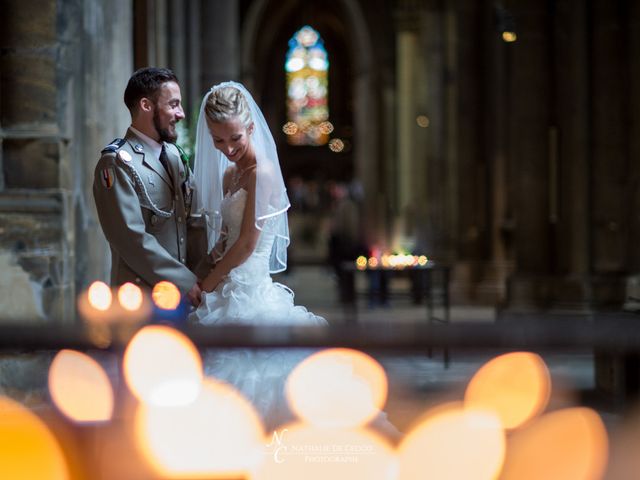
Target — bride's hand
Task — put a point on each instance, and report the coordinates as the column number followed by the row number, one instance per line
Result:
column 211, row 281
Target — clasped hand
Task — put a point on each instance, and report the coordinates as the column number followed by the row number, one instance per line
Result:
column 194, row 295
column 211, row 281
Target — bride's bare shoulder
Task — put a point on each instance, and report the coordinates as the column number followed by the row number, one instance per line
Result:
column 227, row 177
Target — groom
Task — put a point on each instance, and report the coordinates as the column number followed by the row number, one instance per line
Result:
column 142, row 189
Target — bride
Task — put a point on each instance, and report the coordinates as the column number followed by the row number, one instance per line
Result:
column 240, row 189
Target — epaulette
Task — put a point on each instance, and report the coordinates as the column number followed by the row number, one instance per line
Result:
column 114, row 145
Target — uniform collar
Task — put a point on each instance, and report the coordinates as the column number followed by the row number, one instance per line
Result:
column 156, row 147
column 150, row 151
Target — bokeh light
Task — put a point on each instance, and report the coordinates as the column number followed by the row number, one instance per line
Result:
column 162, row 367
column 422, row 121
column 336, row 145
column 565, row 444
column 219, row 435
column 28, row 450
column 301, row 451
column 453, row 443
column 517, row 386
column 166, row 295
column 80, row 387
column 130, row 297
column 290, row 128
column 100, row 296
column 509, row 37
column 337, row 388
column 396, row 261
column 326, row 127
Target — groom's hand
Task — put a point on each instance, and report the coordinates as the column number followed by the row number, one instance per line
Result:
column 194, row 295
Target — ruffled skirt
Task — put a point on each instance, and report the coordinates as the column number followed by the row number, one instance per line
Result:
column 249, row 297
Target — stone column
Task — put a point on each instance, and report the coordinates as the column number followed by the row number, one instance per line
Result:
column 178, row 35
column 220, row 45
column 61, row 90
column 467, row 137
column 407, row 54
column 610, row 187
column 192, row 78
column 573, row 164
column 615, row 179
column 375, row 208
column 430, row 196
column 101, row 61
column 151, row 42
column 529, row 133
column 36, row 278
column 496, row 87
column 634, row 145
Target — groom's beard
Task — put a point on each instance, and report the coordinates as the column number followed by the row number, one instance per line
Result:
column 166, row 134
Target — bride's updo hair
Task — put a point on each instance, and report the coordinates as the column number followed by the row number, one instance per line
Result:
column 225, row 103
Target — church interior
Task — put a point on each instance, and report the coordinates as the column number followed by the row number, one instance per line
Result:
column 463, row 193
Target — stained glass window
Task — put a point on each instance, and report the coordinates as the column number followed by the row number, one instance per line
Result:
column 307, row 69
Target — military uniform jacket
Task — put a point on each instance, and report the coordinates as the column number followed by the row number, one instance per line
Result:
column 142, row 212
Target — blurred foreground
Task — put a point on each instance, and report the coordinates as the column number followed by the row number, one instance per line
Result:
column 517, row 399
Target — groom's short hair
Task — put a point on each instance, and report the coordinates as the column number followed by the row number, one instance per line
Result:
column 146, row 82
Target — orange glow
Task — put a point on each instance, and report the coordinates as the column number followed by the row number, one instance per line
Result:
column 301, row 451
column 337, row 387
column 162, row 367
column 290, row 128
column 80, row 387
column 456, row 443
column 326, row 127
column 565, row 444
column 516, row 386
column 396, row 261
column 422, row 121
column 166, row 295
column 219, row 435
column 401, row 261
column 509, row 37
column 336, row 145
column 100, row 296
column 97, row 307
column 130, row 297
column 28, row 450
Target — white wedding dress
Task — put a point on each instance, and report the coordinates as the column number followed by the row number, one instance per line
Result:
column 248, row 296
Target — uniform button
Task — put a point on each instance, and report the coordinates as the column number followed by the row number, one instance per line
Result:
column 181, row 239
column 138, row 280
column 154, row 219
column 183, row 260
column 176, row 197
column 179, row 219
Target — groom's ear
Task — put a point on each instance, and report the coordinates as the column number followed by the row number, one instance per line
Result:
column 145, row 104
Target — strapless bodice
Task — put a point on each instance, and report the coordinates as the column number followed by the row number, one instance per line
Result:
column 232, row 210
